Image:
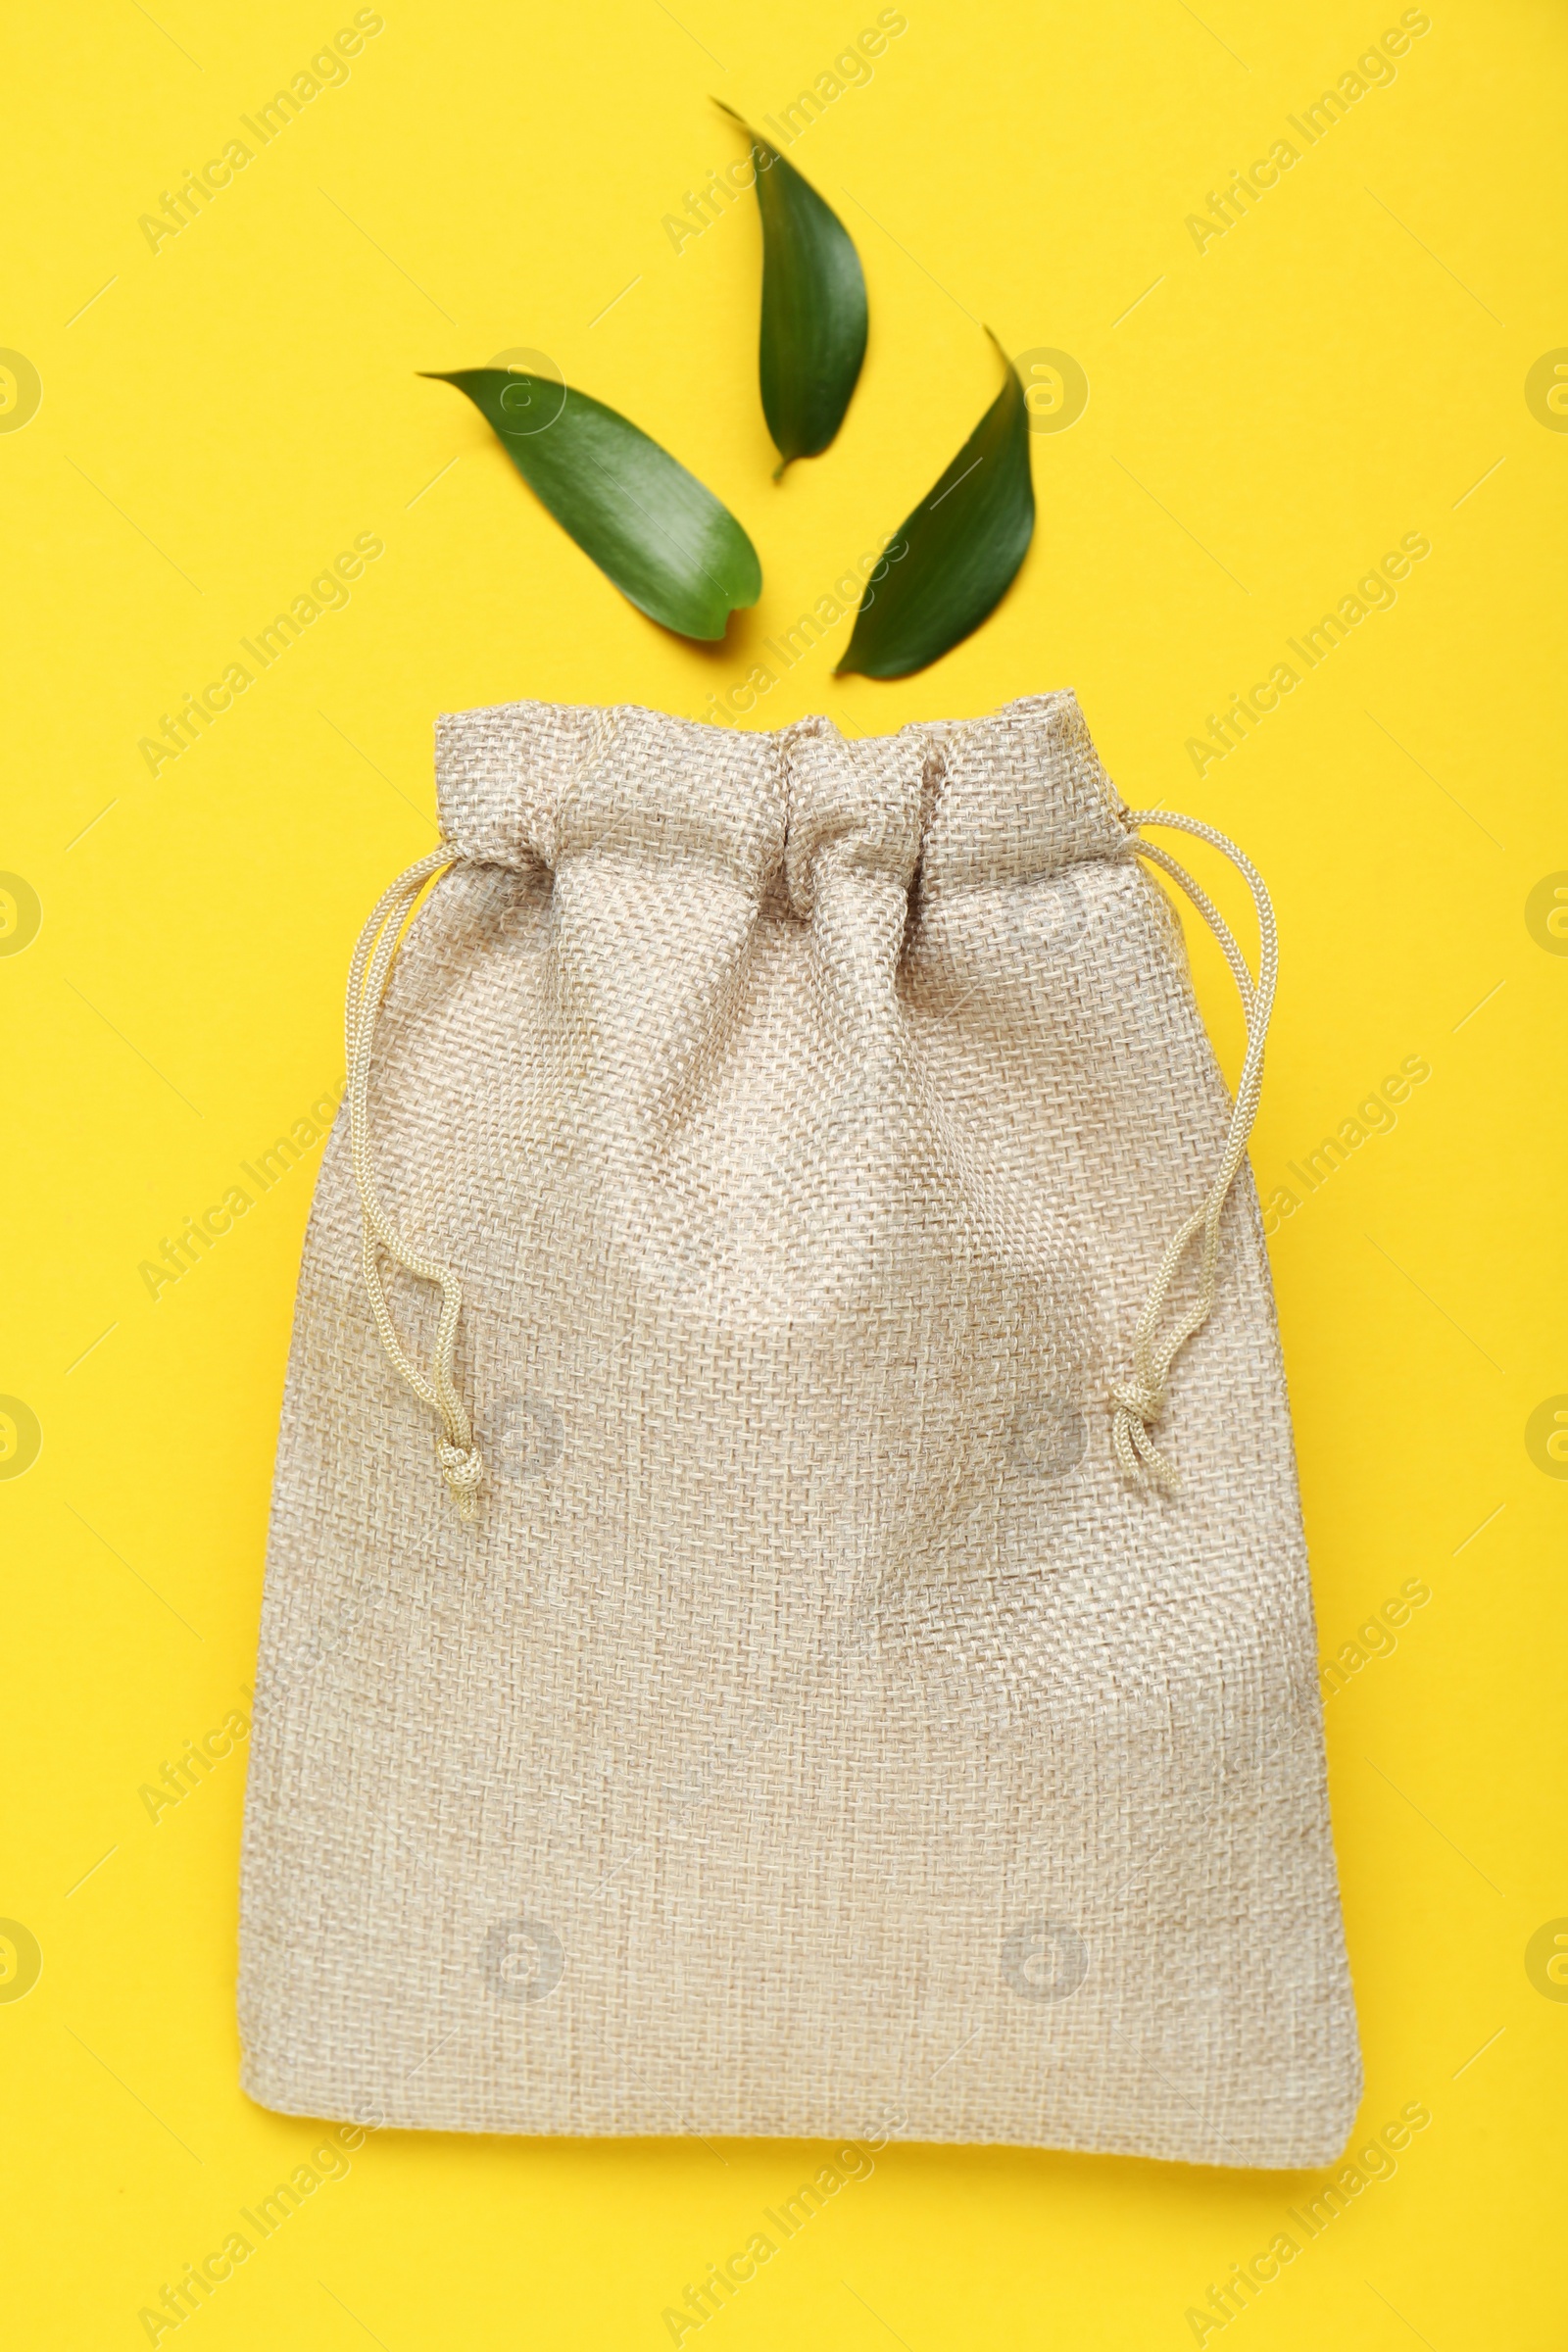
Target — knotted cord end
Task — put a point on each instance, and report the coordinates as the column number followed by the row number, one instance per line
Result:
column 1138, row 1408
column 463, row 1469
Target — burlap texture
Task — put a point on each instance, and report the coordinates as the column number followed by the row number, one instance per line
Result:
column 815, row 1725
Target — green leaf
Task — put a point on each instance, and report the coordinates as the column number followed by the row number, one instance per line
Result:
column 813, row 307
column 961, row 549
column 650, row 525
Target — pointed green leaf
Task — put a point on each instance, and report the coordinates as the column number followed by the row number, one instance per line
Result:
column 667, row 544
column 961, row 549
column 813, row 307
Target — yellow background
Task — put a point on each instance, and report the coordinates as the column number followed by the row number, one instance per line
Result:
column 216, row 423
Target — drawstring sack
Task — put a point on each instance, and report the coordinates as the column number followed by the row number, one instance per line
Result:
column 786, row 1603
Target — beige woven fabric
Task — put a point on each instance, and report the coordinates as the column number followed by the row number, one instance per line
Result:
column 815, row 1724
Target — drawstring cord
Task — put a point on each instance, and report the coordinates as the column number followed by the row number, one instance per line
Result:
column 1139, row 1400
column 374, row 958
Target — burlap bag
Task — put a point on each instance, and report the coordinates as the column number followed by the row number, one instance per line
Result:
column 789, row 1614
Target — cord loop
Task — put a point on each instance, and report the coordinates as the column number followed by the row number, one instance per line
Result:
column 1140, row 1400
column 374, row 958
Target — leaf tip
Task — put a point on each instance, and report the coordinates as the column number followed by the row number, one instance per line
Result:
column 1003, row 354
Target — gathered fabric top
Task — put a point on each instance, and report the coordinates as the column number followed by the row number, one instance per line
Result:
column 971, row 803
column 1000, row 799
